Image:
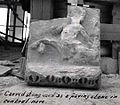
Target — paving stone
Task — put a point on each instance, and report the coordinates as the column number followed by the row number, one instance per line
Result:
column 66, row 76
column 65, row 51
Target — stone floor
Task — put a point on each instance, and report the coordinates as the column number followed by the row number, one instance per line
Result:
column 14, row 91
column 11, row 88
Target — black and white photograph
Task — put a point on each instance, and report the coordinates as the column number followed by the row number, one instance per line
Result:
column 59, row 52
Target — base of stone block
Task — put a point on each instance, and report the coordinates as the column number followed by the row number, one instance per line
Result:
column 65, row 76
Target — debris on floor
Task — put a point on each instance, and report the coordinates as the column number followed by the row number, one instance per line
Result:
column 9, row 81
column 4, row 70
column 6, row 63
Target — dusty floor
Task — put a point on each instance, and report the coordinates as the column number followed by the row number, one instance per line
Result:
column 14, row 91
column 10, row 87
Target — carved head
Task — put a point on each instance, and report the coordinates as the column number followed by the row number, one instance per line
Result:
column 77, row 14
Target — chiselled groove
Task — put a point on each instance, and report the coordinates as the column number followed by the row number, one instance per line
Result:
column 66, row 80
column 69, row 80
column 80, row 81
column 74, row 81
column 96, row 81
column 47, row 78
column 30, row 78
column 50, row 78
column 85, row 80
column 37, row 78
column 91, row 82
column 59, row 80
column 34, row 77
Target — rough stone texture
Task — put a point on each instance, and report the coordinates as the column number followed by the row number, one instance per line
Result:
column 65, row 52
column 67, row 76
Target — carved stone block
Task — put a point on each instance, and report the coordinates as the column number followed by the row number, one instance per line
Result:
column 65, row 51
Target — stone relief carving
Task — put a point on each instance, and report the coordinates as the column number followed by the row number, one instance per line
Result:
column 68, row 47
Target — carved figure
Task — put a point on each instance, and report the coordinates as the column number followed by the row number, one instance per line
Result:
column 66, row 52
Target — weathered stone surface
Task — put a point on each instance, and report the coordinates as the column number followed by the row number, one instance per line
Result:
column 65, row 50
column 66, row 76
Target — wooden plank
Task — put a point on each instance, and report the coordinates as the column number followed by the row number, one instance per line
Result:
column 36, row 12
column 110, row 36
column 60, row 5
column 101, row 1
column 41, row 9
column 60, row 0
column 31, row 8
column 47, row 9
column 110, row 32
column 110, row 28
column 60, row 13
column 60, row 8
